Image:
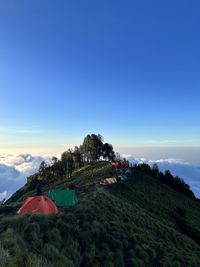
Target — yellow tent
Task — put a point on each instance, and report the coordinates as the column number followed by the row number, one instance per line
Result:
column 111, row 180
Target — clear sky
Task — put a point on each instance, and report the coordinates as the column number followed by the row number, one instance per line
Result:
column 129, row 70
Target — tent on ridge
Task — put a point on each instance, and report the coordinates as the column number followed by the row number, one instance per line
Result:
column 103, row 182
column 38, row 205
column 111, row 180
column 121, row 177
column 116, row 165
column 108, row 181
column 63, row 198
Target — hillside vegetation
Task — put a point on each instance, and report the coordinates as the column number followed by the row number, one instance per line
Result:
column 136, row 222
column 149, row 219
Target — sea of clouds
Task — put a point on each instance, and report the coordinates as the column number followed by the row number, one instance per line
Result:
column 189, row 172
column 14, row 169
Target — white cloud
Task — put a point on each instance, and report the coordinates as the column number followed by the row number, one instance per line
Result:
column 3, row 195
column 189, row 172
column 14, row 169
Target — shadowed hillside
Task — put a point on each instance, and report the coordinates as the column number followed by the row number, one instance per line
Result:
column 137, row 222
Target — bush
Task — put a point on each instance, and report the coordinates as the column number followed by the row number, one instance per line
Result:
column 32, row 235
column 164, row 263
column 35, row 261
column 113, row 243
column 181, row 212
column 53, row 237
column 43, row 221
column 134, row 262
column 4, row 256
column 141, row 253
column 118, row 259
column 89, row 257
column 52, row 254
column 63, row 228
column 72, row 251
column 16, row 248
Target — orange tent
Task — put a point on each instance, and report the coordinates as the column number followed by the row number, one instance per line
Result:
column 38, row 204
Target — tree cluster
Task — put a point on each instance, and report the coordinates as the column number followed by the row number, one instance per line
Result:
column 93, row 148
column 175, row 182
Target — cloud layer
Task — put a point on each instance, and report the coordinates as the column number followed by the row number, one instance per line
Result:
column 189, row 172
column 15, row 169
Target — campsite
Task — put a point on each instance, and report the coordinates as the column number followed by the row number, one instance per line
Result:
column 133, row 222
column 99, row 133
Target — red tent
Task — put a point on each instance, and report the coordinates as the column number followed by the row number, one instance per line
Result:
column 116, row 165
column 103, row 182
column 38, row 204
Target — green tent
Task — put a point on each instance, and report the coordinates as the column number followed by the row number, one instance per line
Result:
column 63, row 198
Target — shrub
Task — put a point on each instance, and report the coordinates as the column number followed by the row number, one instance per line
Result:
column 89, row 256
column 4, row 256
column 12, row 242
column 141, row 253
column 181, row 212
column 73, row 252
column 53, row 237
column 43, row 221
column 176, row 264
column 132, row 241
column 32, row 235
column 152, row 253
column 52, row 254
column 164, row 263
column 118, row 259
column 63, row 228
column 134, row 262
column 18, row 222
column 16, row 248
column 35, row 261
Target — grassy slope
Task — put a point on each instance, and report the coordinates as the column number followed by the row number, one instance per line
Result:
column 80, row 177
column 127, row 224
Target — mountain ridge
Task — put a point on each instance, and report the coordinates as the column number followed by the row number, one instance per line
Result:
column 136, row 222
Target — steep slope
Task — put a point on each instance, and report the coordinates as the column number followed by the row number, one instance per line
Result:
column 138, row 222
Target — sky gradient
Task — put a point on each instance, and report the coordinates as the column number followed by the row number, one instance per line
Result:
column 128, row 70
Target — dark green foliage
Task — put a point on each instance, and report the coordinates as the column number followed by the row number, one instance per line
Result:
column 9, row 208
column 43, row 221
column 89, row 256
column 138, row 222
column 63, row 228
column 118, row 259
column 67, row 161
column 15, row 247
column 32, row 236
column 181, row 212
column 4, row 256
column 188, row 230
column 53, row 237
column 167, row 178
column 108, row 152
column 92, row 147
column 53, row 256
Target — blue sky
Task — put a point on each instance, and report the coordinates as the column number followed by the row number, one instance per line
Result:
column 126, row 69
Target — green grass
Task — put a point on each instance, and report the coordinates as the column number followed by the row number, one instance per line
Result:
column 139, row 222
column 80, row 177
